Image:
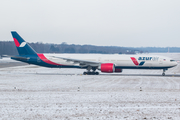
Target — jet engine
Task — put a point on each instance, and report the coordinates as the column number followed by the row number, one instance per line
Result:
column 109, row 68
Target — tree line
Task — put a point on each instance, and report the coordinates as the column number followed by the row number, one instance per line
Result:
column 9, row 48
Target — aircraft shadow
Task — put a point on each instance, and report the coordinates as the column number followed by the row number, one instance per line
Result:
column 150, row 75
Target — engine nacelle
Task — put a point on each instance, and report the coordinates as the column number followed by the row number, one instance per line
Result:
column 118, row 70
column 107, row 67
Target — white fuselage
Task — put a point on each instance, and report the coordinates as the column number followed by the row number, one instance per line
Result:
column 140, row 61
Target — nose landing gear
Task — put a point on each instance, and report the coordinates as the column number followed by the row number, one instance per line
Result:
column 163, row 74
column 164, row 70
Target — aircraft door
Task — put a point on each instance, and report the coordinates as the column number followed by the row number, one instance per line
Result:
column 160, row 61
column 149, row 64
column 99, row 59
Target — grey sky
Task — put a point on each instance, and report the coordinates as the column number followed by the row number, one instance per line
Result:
column 98, row 22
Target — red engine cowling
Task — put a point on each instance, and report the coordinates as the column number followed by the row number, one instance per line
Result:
column 107, row 67
column 118, row 70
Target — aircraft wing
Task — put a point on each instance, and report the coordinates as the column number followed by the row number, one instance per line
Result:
column 82, row 63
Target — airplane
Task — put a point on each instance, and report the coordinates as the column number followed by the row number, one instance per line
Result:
column 107, row 63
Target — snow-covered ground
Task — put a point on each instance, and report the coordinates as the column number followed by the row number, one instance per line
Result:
column 6, row 60
column 32, row 92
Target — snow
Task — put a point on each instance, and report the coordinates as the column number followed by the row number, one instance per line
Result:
column 32, row 92
column 5, row 60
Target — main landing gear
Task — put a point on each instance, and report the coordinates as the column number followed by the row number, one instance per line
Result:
column 89, row 72
column 164, row 70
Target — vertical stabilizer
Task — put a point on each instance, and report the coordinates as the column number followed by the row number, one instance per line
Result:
column 22, row 47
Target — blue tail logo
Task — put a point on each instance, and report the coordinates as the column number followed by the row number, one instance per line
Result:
column 22, row 47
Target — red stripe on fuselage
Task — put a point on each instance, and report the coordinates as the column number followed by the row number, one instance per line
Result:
column 16, row 42
column 43, row 58
column 134, row 61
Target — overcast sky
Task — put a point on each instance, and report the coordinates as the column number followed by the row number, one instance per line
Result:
column 129, row 23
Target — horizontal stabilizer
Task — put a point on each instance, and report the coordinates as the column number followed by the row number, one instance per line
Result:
column 17, row 57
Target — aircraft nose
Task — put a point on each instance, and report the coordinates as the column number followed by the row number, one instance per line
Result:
column 175, row 63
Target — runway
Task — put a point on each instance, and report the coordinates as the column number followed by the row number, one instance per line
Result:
column 147, row 75
column 32, row 92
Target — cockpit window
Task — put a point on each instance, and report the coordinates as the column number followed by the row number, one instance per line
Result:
column 172, row 60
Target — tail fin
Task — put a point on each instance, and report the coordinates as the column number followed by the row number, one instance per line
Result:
column 22, row 47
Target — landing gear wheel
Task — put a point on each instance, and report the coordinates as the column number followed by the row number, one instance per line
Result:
column 164, row 70
column 90, row 73
column 96, row 73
